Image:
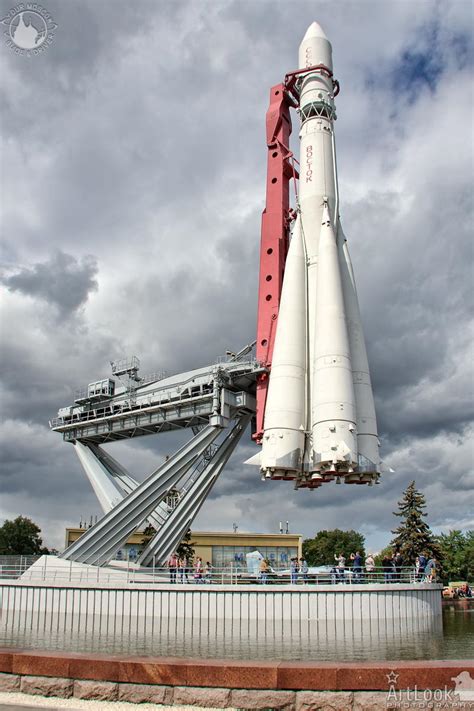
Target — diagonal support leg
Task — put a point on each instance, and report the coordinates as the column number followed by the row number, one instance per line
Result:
column 105, row 487
column 124, row 480
column 112, row 482
column 110, row 533
column 122, row 477
column 173, row 530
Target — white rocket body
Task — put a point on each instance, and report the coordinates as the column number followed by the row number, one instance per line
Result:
column 333, row 410
column 319, row 416
column 283, row 443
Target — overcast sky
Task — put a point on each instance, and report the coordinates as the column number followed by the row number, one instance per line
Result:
column 133, row 180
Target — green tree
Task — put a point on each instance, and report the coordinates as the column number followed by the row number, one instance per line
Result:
column 413, row 536
column 321, row 549
column 457, row 550
column 470, row 556
column 21, row 537
column 148, row 533
column 186, row 547
column 387, row 551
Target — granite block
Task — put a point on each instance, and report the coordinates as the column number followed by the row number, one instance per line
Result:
column 145, row 693
column 149, row 670
column 233, row 674
column 306, row 675
column 97, row 690
column 9, row 682
column 200, row 696
column 263, row 699
column 324, row 701
column 46, row 686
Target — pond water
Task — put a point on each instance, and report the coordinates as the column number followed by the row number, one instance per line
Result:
column 448, row 637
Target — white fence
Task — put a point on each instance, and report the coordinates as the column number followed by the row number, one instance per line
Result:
column 84, row 602
column 222, row 622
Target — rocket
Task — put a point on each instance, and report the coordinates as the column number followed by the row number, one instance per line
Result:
column 319, row 420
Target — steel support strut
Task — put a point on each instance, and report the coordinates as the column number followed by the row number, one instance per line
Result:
column 165, row 542
column 101, row 541
column 105, row 488
column 111, row 481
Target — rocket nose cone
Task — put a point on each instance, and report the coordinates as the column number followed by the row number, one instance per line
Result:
column 315, row 48
column 314, row 30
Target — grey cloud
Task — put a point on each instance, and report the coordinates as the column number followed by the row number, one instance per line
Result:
column 146, row 147
column 64, row 281
column 43, row 361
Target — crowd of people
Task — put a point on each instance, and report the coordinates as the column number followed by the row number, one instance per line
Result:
column 298, row 570
column 392, row 569
column 184, row 571
column 338, row 572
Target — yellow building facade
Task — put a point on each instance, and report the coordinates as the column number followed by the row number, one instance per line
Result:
column 220, row 549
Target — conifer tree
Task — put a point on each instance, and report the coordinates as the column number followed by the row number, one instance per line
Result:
column 413, row 536
column 186, row 547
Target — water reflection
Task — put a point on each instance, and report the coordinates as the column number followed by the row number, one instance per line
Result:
column 411, row 638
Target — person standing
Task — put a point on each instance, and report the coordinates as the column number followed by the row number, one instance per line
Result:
column 398, row 566
column 341, row 567
column 263, row 571
column 421, row 562
column 387, row 568
column 294, row 571
column 173, row 567
column 208, row 572
column 430, row 571
column 356, row 566
column 182, row 565
column 304, row 570
column 198, row 570
column 370, row 566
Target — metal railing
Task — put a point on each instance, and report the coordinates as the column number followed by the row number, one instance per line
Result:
column 18, row 563
column 167, row 398
column 122, row 407
column 27, row 569
column 153, row 377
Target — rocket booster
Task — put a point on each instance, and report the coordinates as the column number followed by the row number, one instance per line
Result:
column 319, row 421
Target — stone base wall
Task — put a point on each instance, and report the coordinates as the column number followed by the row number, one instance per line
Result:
column 226, row 684
column 239, row 699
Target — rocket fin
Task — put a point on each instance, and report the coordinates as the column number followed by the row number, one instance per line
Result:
column 254, row 460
